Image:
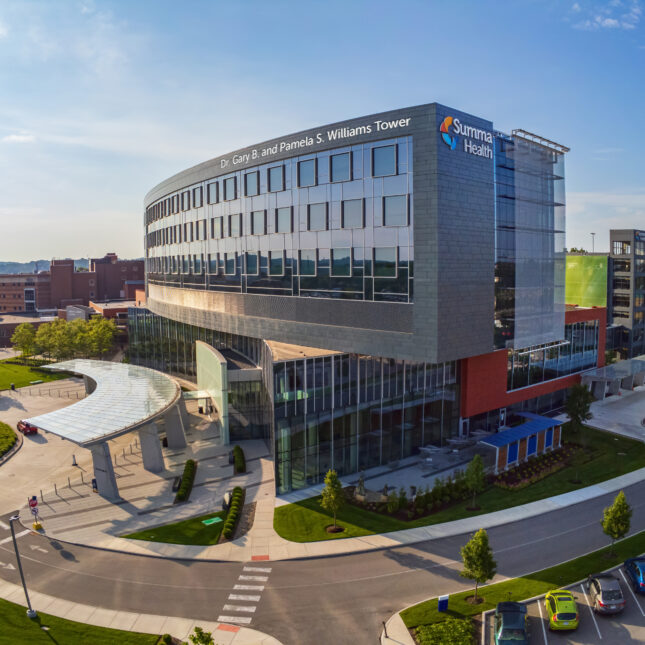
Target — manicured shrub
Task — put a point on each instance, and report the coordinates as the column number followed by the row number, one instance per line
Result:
column 234, row 512
column 403, row 499
column 187, row 481
column 239, row 460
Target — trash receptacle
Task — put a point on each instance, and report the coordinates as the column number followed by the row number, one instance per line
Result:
column 95, row 486
column 13, row 387
column 443, row 603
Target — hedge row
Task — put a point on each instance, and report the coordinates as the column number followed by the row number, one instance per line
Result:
column 187, row 480
column 7, row 438
column 234, row 512
column 239, row 460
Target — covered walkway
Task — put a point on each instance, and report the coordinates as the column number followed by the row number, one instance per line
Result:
column 624, row 375
column 121, row 398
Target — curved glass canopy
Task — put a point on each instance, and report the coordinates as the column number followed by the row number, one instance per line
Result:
column 126, row 397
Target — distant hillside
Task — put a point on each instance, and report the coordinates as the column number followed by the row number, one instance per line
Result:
column 36, row 265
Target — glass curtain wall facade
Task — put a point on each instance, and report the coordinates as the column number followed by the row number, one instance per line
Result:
column 529, row 243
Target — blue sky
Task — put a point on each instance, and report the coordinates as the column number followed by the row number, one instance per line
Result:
column 102, row 100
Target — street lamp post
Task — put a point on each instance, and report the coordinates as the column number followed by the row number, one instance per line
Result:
column 593, row 240
column 31, row 613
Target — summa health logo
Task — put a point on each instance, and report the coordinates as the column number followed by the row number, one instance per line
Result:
column 448, row 139
column 450, row 128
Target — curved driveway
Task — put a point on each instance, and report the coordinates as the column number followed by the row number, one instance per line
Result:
column 340, row 599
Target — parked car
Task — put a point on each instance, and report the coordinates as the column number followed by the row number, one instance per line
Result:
column 561, row 609
column 27, row 428
column 511, row 624
column 605, row 594
column 635, row 570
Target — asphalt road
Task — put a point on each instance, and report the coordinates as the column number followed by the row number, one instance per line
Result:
column 322, row 600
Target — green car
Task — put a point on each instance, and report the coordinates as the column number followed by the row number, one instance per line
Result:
column 561, row 609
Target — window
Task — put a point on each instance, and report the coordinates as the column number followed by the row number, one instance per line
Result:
column 622, row 248
column 276, row 262
column 212, row 262
column 235, row 225
column 252, row 263
column 198, row 199
column 621, row 301
column 184, row 264
column 251, row 184
column 622, row 283
column 622, row 266
column 283, row 220
column 175, row 203
column 197, row 264
column 216, row 228
column 258, row 223
column 229, row 263
column 276, row 179
column 352, row 213
column 213, row 193
column 385, row 263
column 308, row 262
column 395, row 210
column 340, row 167
column 185, row 200
column 341, row 262
column 307, row 173
column 197, row 229
column 317, row 217
column 384, row 161
column 230, row 189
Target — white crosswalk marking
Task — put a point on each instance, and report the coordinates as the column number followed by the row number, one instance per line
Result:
column 258, row 569
column 244, row 608
column 237, row 596
column 249, row 587
column 240, row 620
column 256, row 578
column 8, row 539
column 4, row 525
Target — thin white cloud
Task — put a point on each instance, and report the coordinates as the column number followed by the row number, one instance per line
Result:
column 616, row 14
column 576, row 8
column 3, row 30
column 18, row 138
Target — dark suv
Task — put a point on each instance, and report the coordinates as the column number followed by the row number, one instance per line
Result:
column 511, row 624
column 605, row 594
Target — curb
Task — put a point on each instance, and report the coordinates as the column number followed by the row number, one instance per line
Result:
column 14, row 449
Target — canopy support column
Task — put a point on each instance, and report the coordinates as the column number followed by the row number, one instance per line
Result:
column 175, row 428
column 104, row 471
column 151, row 448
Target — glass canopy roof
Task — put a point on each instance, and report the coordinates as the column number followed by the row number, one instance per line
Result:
column 126, row 397
column 622, row 369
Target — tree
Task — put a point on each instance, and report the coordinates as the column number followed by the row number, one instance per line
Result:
column 577, row 405
column 24, row 340
column 477, row 556
column 332, row 494
column 45, row 340
column 616, row 519
column 101, row 332
column 475, row 476
column 200, row 637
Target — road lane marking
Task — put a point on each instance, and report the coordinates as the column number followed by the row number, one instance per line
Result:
column 249, row 587
column 256, row 578
column 259, row 569
column 8, row 566
column 542, row 622
column 249, row 609
column 243, row 620
column 8, row 539
column 237, row 596
column 4, row 525
column 34, row 547
column 582, row 587
column 631, row 591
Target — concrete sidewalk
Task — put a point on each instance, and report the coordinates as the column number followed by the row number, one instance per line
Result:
column 223, row 633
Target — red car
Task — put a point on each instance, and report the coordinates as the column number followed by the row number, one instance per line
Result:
column 27, row 428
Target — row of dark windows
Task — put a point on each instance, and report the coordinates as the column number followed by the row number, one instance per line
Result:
column 384, row 163
column 395, row 213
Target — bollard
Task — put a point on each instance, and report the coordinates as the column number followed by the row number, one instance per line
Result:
column 55, row 489
column 124, row 453
column 69, row 483
column 74, row 460
column 82, row 480
column 130, row 448
column 42, row 499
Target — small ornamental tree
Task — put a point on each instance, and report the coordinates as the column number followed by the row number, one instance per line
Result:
column 333, row 498
column 577, row 406
column 477, row 556
column 475, row 476
column 616, row 519
column 24, row 340
column 200, row 637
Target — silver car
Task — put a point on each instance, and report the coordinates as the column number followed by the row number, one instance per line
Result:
column 605, row 594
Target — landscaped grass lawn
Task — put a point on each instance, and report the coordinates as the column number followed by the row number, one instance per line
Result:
column 7, row 438
column 305, row 521
column 534, row 584
column 190, row 531
column 16, row 628
column 21, row 375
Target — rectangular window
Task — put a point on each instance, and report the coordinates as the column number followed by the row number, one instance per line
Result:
column 317, row 217
column 192, row 234
column 213, row 193
column 276, row 179
column 197, row 264
column 352, row 213
column 216, row 228
column 230, row 188
column 395, row 210
column 340, row 167
column 276, row 262
column 307, row 173
column 175, row 204
column 212, row 262
column 283, row 220
column 185, row 200
column 622, row 248
column 251, row 184
column 385, row 263
column 308, row 262
column 252, row 263
column 229, row 263
column 184, row 264
column 258, row 223
column 235, row 225
column 384, row 161
column 198, row 199
column 197, row 229
column 341, row 262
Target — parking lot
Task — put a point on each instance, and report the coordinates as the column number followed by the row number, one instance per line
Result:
column 624, row 628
